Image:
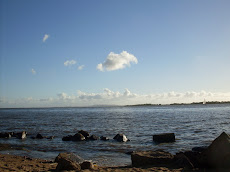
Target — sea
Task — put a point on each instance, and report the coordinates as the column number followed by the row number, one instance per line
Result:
column 193, row 125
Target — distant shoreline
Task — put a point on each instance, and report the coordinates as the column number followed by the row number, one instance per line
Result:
column 135, row 105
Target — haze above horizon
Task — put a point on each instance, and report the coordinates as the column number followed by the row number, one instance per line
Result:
column 84, row 53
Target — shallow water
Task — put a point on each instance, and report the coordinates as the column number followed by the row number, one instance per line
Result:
column 193, row 125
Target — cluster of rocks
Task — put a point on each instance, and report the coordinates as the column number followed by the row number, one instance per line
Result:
column 215, row 156
column 39, row 136
column 84, row 135
column 19, row 135
column 69, row 161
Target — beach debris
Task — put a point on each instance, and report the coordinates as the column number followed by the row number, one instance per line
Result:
column 68, row 161
column 120, row 138
column 164, row 138
column 93, row 137
column 153, row 158
column 217, row 155
column 104, row 138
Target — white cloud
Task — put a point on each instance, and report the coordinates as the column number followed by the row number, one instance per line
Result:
column 70, row 62
column 33, row 71
column 117, row 61
column 81, row 67
column 46, row 36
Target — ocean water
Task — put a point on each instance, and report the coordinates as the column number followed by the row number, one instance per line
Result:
column 193, row 125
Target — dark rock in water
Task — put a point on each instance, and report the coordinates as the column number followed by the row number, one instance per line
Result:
column 21, row 135
column 67, row 138
column 87, row 165
column 39, row 136
column 84, row 133
column 68, row 161
column 104, row 138
column 5, row 135
column 120, row 138
column 93, row 137
column 130, row 152
column 50, row 137
column 164, row 138
column 217, row 155
column 78, row 137
column 199, row 149
column 183, row 161
column 153, row 158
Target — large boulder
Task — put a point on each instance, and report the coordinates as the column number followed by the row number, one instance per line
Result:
column 78, row 137
column 87, row 165
column 183, row 161
column 68, row 161
column 164, row 138
column 84, row 133
column 120, row 138
column 153, row 158
column 217, row 155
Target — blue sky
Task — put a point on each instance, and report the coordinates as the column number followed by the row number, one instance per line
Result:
column 149, row 52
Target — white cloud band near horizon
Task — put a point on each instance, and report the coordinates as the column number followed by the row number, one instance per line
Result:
column 45, row 37
column 117, row 61
column 70, row 62
column 109, row 97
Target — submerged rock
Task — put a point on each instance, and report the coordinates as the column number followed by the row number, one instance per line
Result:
column 217, row 155
column 104, row 138
column 5, row 135
column 67, row 138
column 68, row 161
column 164, row 138
column 39, row 136
column 21, row 135
column 121, row 138
column 153, row 158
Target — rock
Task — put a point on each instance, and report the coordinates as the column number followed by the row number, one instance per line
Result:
column 84, row 133
column 78, row 137
column 182, row 161
column 104, row 138
column 217, row 155
column 120, row 138
column 67, row 138
column 93, row 137
column 153, row 158
column 69, row 156
column 5, row 135
column 21, row 135
column 199, row 149
column 164, row 138
column 87, row 165
column 50, row 137
column 193, row 157
column 39, row 136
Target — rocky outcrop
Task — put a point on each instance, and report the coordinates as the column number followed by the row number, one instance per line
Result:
column 78, row 137
column 217, row 155
column 153, row 158
column 120, row 138
column 5, row 135
column 164, row 138
column 84, row 133
column 93, row 137
column 68, row 161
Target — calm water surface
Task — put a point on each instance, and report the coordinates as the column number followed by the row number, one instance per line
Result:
column 193, row 125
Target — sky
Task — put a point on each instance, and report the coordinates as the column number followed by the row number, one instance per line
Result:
column 83, row 53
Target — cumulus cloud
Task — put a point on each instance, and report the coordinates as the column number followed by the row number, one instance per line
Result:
column 33, row 71
column 69, row 62
column 81, row 67
column 46, row 36
column 117, row 61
